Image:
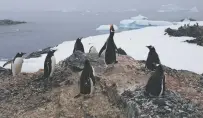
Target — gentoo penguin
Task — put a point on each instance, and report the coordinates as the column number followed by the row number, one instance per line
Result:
column 17, row 63
column 93, row 50
column 78, row 46
column 156, row 83
column 87, row 80
column 152, row 58
column 110, row 46
column 49, row 64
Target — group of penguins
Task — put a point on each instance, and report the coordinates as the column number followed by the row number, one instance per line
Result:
column 155, row 85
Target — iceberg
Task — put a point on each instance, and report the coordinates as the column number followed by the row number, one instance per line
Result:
column 106, row 27
column 139, row 17
column 137, row 24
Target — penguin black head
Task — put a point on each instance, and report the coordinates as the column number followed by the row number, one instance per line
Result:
column 151, row 48
column 79, row 40
column 51, row 52
column 87, row 62
column 111, row 28
column 20, row 54
column 158, row 67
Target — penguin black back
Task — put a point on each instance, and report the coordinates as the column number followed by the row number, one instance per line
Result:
column 78, row 46
column 152, row 58
column 110, row 54
column 48, row 63
column 18, row 55
column 87, row 79
column 156, row 83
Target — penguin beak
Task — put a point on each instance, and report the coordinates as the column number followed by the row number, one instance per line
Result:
column 148, row 46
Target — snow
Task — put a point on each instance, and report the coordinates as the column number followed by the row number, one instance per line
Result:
column 173, row 52
column 106, row 27
column 194, row 9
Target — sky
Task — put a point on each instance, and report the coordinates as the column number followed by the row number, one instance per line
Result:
column 94, row 5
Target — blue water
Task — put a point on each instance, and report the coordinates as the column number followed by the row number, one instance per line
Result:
column 51, row 28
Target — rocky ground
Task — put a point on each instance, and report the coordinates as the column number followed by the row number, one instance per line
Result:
column 195, row 31
column 118, row 93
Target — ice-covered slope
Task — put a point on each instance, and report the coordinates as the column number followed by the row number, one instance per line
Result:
column 172, row 51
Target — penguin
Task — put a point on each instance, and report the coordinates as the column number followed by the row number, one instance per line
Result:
column 110, row 46
column 78, row 46
column 17, row 63
column 152, row 58
column 87, row 80
column 93, row 50
column 49, row 64
column 156, row 83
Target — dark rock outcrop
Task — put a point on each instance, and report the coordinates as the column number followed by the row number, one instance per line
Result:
column 10, row 22
column 118, row 92
column 195, row 31
column 38, row 53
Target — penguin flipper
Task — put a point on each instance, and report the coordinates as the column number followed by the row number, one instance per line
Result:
column 8, row 62
column 102, row 49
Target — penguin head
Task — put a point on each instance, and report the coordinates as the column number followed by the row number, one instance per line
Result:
column 20, row 54
column 79, row 39
column 158, row 67
column 87, row 62
column 111, row 28
column 151, row 48
column 51, row 52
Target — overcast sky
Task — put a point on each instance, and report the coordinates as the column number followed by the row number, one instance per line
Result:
column 96, row 5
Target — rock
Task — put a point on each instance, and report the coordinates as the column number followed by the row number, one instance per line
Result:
column 77, row 59
column 10, row 22
column 38, row 53
column 195, row 31
column 119, row 92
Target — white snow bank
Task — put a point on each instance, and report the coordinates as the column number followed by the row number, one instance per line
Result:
column 106, row 27
column 172, row 51
column 139, row 17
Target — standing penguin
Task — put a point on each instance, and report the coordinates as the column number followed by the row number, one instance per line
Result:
column 110, row 46
column 78, row 46
column 87, row 80
column 156, row 83
column 49, row 64
column 17, row 63
column 152, row 58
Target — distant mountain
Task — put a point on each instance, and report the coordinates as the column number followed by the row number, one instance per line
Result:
column 10, row 22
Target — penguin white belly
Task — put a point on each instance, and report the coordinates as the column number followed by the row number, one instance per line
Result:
column 92, row 86
column 53, row 63
column 93, row 71
column 93, row 50
column 17, row 66
column 161, row 88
